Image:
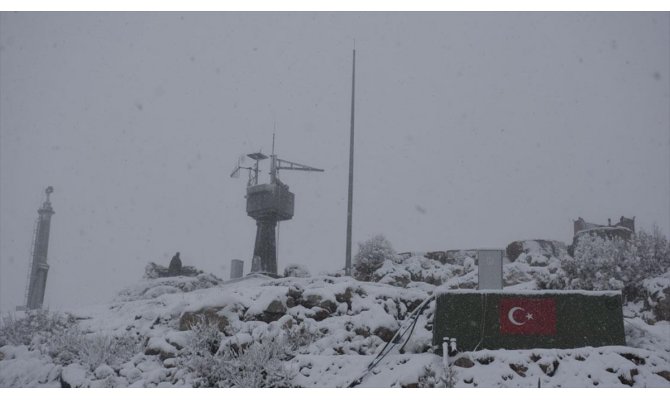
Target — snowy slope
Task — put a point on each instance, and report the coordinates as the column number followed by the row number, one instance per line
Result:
column 342, row 323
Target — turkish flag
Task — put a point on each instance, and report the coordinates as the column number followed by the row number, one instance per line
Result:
column 524, row 316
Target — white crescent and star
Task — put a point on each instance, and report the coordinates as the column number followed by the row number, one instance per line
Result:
column 510, row 316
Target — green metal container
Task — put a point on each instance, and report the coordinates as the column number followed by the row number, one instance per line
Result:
column 501, row 319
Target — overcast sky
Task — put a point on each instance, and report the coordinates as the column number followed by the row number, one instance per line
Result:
column 473, row 130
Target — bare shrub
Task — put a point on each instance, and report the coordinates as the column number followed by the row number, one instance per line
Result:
column 59, row 337
column 35, row 326
column 110, row 350
column 200, row 355
column 259, row 364
column 92, row 350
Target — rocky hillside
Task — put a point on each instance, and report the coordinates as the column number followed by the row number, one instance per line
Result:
column 308, row 332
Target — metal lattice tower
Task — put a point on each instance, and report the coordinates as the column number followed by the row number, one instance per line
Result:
column 39, row 267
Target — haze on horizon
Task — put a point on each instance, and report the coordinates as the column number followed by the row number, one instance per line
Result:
column 472, row 130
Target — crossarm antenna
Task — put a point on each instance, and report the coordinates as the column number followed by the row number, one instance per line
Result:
column 283, row 164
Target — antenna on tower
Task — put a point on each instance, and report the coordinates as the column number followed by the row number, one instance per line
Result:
column 236, row 170
column 274, row 131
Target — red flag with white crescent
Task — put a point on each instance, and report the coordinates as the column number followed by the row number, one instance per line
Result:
column 524, row 316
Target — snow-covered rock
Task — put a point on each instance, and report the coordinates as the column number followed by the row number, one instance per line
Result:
column 537, row 253
column 207, row 314
column 392, row 274
column 103, row 371
column 131, row 373
column 74, row 376
column 296, row 271
column 153, row 288
column 21, row 367
column 159, row 346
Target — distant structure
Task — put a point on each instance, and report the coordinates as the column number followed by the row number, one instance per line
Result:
column 624, row 229
column 39, row 267
column 268, row 203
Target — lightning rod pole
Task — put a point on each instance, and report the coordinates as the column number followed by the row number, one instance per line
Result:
column 347, row 265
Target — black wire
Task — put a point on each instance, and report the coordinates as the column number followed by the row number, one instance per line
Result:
column 393, row 342
column 410, row 332
column 481, row 337
column 415, row 318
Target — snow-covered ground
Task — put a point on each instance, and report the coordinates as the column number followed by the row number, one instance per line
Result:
column 334, row 326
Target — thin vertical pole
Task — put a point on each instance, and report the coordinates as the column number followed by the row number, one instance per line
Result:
column 347, row 267
column 273, row 172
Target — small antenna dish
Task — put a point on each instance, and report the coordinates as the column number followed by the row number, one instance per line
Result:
column 257, row 156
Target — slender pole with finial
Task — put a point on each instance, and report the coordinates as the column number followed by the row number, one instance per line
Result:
column 347, row 267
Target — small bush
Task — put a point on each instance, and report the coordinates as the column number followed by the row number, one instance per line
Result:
column 200, row 356
column 257, row 365
column 59, row 337
column 36, row 325
column 371, row 256
column 92, row 350
column 110, row 350
column 260, row 365
column 206, row 336
column 600, row 263
column 553, row 277
column 613, row 264
column 300, row 336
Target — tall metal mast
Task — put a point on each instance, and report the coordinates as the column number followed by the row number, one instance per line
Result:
column 347, row 265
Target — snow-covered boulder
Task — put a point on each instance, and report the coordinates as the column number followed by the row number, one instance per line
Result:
column 103, row 371
column 74, row 376
column 422, row 269
column 159, row 346
column 537, row 253
column 296, row 271
column 392, row 274
column 208, row 314
column 153, row 288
